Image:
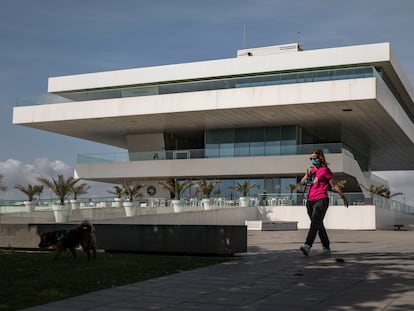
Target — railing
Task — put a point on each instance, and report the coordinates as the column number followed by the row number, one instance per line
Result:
column 263, row 199
column 275, row 199
column 187, row 154
column 216, row 84
column 393, row 205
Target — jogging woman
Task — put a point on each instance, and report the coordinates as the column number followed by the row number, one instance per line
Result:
column 318, row 177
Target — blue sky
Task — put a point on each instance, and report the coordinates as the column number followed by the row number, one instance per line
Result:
column 45, row 38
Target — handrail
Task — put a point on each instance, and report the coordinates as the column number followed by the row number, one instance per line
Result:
column 253, row 80
column 187, row 154
column 262, row 199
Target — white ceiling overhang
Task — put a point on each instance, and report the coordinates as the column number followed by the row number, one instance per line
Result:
column 363, row 110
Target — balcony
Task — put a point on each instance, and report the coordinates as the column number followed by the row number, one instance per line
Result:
column 187, row 154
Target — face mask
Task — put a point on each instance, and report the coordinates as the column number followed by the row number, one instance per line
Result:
column 315, row 162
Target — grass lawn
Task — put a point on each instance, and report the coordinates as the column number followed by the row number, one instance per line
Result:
column 33, row 278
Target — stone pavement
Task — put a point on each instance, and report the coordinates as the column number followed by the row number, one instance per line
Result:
column 368, row 270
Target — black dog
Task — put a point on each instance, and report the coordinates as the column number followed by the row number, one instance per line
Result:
column 83, row 235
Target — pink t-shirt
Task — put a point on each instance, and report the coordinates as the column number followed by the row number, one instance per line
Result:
column 320, row 182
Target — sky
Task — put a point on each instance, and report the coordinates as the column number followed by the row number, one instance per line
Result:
column 47, row 38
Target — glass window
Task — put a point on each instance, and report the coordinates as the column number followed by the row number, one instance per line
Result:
column 289, row 133
column 268, row 186
column 257, row 141
column 322, row 76
column 288, row 147
column 273, row 80
column 212, row 151
column 289, row 192
column 257, row 81
column 257, row 148
column 276, row 185
column 220, row 136
column 212, row 136
column 188, row 87
column 285, row 185
column 272, row 133
column 257, row 134
column 363, row 72
column 256, row 190
column 281, row 78
column 242, row 135
column 288, row 78
column 216, row 85
column 227, row 136
column 226, row 150
column 241, row 149
column 343, row 74
column 272, row 148
column 305, row 77
column 226, row 189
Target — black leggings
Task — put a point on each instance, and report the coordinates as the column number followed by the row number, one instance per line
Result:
column 316, row 211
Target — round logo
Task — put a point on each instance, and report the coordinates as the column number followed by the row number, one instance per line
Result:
column 151, row 190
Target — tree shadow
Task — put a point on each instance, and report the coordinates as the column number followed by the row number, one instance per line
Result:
column 342, row 281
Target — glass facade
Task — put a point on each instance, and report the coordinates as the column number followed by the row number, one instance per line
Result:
column 253, row 80
column 269, row 185
column 260, row 141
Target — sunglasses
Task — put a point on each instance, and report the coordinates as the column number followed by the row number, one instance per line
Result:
column 314, row 159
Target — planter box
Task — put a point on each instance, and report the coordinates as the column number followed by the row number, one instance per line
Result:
column 168, row 239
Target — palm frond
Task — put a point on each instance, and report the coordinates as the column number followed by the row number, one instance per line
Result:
column 244, row 188
column 206, row 188
column 2, row 187
column 61, row 187
column 132, row 190
column 30, row 190
column 118, row 191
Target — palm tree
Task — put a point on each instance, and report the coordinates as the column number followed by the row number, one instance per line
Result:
column 382, row 191
column 206, row 188
column 132, row 190
column 118, row 191
column 293, row 187
column 170, row 186
column 79, row 189
column 175, row 187
column 244, row 188
column 61, row 187
column 181, row 187
column 2, row 187
column 30, row 190
column 341, row 183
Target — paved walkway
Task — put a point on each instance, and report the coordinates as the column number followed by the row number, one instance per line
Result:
column 368, row 270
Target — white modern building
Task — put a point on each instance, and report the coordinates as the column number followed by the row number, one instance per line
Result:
column 254, row 117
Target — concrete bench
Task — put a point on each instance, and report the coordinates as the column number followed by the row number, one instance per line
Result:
column 269, row 225
column 403, row 227
column 168, row 239
column 399, row 227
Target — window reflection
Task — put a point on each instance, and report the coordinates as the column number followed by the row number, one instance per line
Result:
column 225, row 83
column 251, row 141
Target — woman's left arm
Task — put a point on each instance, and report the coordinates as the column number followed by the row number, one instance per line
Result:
column 335, row 187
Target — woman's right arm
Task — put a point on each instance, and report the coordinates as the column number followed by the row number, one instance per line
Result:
column 305, row 177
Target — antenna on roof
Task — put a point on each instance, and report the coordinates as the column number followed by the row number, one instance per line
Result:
column 244, row 34
column 299, row 45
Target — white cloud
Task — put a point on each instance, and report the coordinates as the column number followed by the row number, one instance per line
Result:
column 16, row 172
